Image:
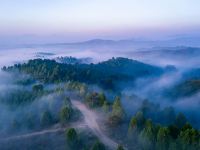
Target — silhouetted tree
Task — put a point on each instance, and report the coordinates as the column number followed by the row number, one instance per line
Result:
column 120, row 147
column 148, row 136
column 37, row 88
column 65, row 114
column 118, row 113
column 180, row 120
column 102, row 99
column 46, row 119
column 163, row 139
column 72, row 138
column 98, row 146
column 105, row 106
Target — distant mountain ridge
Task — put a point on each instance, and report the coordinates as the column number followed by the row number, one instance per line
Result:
column 188, row 41
column 178, row 41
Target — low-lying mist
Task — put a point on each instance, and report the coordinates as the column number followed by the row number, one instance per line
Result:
column 151, row 88
column 160, row 94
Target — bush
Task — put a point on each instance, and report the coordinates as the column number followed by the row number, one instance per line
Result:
column 65, row 114
column 46, row 119
column 98, row 146
column 72, row 138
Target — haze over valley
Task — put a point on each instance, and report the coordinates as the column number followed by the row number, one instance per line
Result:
column 99, row 75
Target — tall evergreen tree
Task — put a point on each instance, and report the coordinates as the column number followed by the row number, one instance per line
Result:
column 163, row 139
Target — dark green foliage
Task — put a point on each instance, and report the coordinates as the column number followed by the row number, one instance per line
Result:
column 151, row 110
column 106, row 74
column 71, row 134
column 185, row 88
column 132, row 126
column 98, row 146
column 65, row 114
column 120, row 147
column 173, row 145
column 46, row 119
column 173, row 137
column 19, row 97
column 180, row 120
column 188, row 86
column 168, row 115
column 173, row 131
column 148, row 135
column 163, row 138
column 67, row 101
column 148, row 108
column 186, row 126
column 95, row 99
column 189, row 139
column 106, row 107
column 118, row 113
column 37, row 88
column 137, row 123
column 140, row 120
column 72, row 138
column 102, row 99
column 24, row 82
column 117, row 109
column 92, row 100
column 80, row 88
column 22, row 95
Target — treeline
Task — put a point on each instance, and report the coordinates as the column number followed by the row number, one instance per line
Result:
column 76, row 141
column 46, row 116
column 178, row 136
column 164, row 116
column 151, row 128
column 35, row 108
column 33, row 105
column 21, row 95
column 189, row 85
column 105, row 74
column 186, row 88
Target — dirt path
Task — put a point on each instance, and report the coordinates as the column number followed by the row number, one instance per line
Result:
column 43, row 132
column 90, row 119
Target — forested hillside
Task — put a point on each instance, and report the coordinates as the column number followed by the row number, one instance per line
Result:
column 97, row 117
column 106, row 74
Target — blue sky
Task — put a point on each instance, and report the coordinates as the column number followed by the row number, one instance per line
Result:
column 84, row 19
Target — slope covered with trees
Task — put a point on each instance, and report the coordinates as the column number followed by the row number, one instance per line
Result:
column 105, row 74
column 43, row 102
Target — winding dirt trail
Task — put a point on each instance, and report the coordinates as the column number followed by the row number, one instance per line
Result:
column 90, row 119
column 43, row 132
column 28, row 135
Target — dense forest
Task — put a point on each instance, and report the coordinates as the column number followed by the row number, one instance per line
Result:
column 105, row 74
column 46, row 89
